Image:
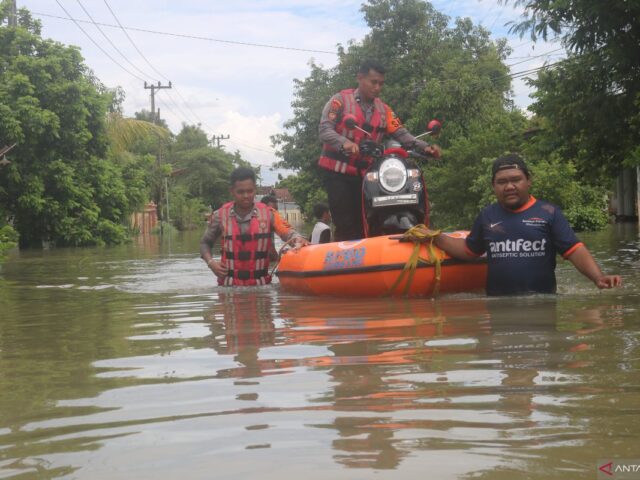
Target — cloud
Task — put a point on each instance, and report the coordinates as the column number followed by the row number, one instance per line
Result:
column 240, row 90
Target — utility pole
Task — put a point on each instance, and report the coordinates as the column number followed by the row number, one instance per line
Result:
column 154, row 116
column 217, row 138
column 13, row 14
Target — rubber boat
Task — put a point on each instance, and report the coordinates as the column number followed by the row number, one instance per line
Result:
column 373, row 267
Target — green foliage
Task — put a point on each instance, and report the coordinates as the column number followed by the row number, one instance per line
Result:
column 307, row 189
column 79, row 168
column 201, row 170
column 8, row 239
column 187, row 213
column 457, row 74
column 433, row 70
column 60, row 187
column 557, row 182
column 145, row 115
column 592, row 99
column 457, row 185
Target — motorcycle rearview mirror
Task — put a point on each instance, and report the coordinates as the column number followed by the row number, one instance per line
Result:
column 351, row 123
column 433, row 128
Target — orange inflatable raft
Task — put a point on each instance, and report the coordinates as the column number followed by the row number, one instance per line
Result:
column 371, row 267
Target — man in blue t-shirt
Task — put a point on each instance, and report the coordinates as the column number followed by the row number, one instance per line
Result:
column 521, row 237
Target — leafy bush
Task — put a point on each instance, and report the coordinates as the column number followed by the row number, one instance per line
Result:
column 8, row 239
column 555, row 181
column 187, row 212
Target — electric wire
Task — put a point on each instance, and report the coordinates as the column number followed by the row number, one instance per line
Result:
column 115, row 47
column 533, row 57
column 98, row 45
column 193, row 37
column 143, row 56
column 515, row 75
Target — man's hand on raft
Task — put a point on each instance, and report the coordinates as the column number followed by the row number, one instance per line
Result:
column 300, row 242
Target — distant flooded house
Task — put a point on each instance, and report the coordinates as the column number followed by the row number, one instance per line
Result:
column 287, row 207
column 625, row 203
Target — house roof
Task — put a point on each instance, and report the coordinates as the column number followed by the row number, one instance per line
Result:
column 282, row 194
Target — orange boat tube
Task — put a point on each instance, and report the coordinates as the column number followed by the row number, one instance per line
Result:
column 371, row 267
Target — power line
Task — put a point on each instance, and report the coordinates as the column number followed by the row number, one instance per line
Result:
column 524, row 73
column 98, row 45
column 528, row 59
column 124, row 30
column 188, row 120
column 176, row 112
column 132, row 42
column 246, row 145
column 115, row 47
column 184, row 35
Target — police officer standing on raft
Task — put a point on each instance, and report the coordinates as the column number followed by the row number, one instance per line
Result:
column 246, row 228
column 340, row 159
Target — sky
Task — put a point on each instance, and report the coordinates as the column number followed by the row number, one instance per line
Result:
column 232, row 64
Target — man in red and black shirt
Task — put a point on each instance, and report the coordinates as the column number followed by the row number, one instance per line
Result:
column 521, row 236
column 340, row 159
column 246, row 228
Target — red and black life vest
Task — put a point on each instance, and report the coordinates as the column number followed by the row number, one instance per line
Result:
column 246, row 254
column 335, row 160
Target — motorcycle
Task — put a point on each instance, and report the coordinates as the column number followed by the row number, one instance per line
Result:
column 394, row 195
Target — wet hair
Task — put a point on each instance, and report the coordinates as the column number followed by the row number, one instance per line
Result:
column 242, row 173
column 369, row 65
column 267, row 199
column 507, row 162
column 319, row 209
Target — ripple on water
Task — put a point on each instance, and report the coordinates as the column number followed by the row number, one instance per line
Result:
column 166, row 376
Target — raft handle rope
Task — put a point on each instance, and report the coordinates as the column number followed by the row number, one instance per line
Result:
column 418, row 236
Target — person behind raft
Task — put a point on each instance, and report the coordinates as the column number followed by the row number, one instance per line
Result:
column 321, row 232
column 246, row 229
column 521, row 236
column 340, row 158
column 271, row 201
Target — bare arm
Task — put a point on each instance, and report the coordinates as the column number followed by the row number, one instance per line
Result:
column 585, row 264
column 454, row 246
column 207, row 242
column 284, row 230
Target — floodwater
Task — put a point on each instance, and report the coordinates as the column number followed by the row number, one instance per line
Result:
column 127, row 363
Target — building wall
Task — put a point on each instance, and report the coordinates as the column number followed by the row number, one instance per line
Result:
column 625, row 201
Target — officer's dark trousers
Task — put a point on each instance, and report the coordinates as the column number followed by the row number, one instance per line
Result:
column 345, row 204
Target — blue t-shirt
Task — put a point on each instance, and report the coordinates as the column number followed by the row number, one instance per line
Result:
column 521, row 246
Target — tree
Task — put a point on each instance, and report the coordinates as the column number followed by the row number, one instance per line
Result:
column 148, row 117
column 61, row 187
column 596, row 91
column 433, row 70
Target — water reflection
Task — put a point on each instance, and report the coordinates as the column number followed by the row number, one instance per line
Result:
column 159, row 379
column 471, row 370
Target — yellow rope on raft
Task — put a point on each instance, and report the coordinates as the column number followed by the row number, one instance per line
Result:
column 419, row 234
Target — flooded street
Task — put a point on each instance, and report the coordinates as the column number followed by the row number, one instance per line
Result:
column 127, row 362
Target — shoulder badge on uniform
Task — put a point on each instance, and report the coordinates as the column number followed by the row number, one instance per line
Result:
column 395, row 121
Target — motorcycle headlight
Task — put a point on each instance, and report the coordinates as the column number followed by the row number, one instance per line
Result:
column 393, row 174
